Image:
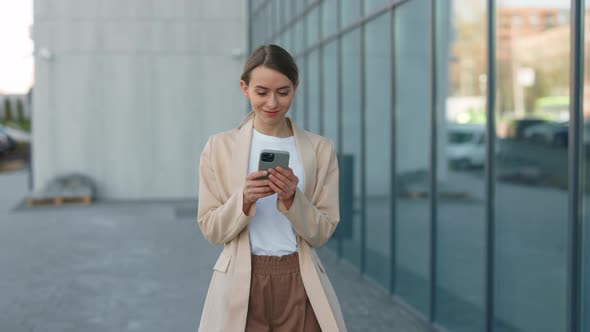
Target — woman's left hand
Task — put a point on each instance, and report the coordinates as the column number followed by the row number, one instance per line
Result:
column 284, row 183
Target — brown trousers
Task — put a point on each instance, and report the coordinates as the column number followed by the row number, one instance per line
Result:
column 278, row 301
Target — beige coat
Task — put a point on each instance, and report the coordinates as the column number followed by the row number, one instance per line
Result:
column 314, row 216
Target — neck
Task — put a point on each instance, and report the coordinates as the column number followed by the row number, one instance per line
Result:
column 283, row 129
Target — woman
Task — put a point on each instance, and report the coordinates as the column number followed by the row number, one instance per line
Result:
column 268, row 276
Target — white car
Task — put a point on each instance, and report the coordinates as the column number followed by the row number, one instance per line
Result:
column 466, row 145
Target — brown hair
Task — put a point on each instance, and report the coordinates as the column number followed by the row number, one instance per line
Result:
column 273, row 57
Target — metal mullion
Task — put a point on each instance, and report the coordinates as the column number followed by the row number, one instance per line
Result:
column 363, row 244
column 433, row 162
column 305, row 57
column 339, row 103
column 574, row 169
column 490, row 165
column 321, row 69
column 393, row 151
column 249, row 41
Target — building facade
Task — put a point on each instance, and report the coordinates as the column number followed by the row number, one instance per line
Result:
column 465, row 185
column 127, row 92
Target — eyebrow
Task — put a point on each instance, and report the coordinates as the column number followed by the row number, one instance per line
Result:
column 262, row 87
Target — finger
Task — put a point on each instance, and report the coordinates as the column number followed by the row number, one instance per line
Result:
column 285, row 171
column 282, row 192
column 277, row 189
column 288, row 173
column 282, row 183
column 257, row 183
column 256, row 175
column 281, row 177
column 259, row 190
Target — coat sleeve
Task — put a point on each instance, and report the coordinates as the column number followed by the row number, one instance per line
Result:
column 315, row 222
column 220, row 220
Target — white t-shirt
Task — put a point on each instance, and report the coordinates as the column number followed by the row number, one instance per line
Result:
column 271, row 233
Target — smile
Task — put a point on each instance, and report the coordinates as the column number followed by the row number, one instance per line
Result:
column 271, row 114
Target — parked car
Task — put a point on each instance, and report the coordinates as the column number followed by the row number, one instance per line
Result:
column 554, row 133
column 7, row 143
column 466, row 145
column 517, row 127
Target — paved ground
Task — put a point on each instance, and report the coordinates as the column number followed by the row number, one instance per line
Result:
column 134, row 266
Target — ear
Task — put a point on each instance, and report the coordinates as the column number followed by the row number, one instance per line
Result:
column 244, row 88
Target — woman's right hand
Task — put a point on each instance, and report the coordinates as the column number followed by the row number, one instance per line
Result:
column 255, row 189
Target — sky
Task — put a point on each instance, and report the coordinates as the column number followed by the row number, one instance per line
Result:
column 16, row 47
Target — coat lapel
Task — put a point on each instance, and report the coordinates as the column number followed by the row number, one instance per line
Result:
column 240, row 155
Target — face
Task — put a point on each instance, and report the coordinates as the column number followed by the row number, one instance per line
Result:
column 270, row 93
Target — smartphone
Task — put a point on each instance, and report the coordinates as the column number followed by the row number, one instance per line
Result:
column 273, row 159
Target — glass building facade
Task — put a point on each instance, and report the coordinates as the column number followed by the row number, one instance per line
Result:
column 463, row 134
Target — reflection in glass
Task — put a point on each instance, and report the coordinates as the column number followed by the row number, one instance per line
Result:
column 313, row 92
column 330, row 109
column 350, row 160
column 378, row 152
column 350, row 11
column 372, row 5
column 330, row 91
column 329, row 17
column 461, row 64
column 312, row 25
column 299, row 41
column 532, row 119
column 412, row 142
column 585, row 156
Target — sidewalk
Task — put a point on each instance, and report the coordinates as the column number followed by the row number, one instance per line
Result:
column 135, row 266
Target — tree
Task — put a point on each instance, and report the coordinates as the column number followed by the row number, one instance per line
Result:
column 20, row 112
column 7, row 109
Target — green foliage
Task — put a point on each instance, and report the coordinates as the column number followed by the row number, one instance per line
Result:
column 20, row 111
column 7, row 109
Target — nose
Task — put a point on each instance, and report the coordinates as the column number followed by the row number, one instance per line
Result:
column 272, row 101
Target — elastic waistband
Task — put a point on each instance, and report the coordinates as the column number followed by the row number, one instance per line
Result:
column 275, row 264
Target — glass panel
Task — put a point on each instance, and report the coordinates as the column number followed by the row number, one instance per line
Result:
column 350, row 11
column 298, row 42
column 288, row 11
column 329, row 17
column 312, row 24
column 351, row 140
column 289, row 37
column 461, row 63
column 299, row 7
column 278, row 14
column 586, row 179
column 282, row 40
column 302, row 92
column 330, row 110
column 296, row 112
column 412, row 113
column 313, row 92
column 531, row 168
column 270, row 20
column 372, row 5
column 378, row 153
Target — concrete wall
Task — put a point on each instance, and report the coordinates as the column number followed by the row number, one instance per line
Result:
column 127, row 91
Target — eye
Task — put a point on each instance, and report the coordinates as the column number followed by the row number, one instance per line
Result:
column 261, row 93
column 284, row 93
